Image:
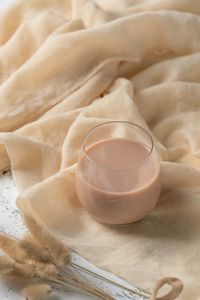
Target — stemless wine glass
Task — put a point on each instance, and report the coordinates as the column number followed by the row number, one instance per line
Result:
column 118, row 173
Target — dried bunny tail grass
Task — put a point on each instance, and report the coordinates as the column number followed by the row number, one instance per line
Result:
column 7, row 265
column 21, row 272
column 12, row 248
column 35, row 251
column 33, row 271
column 45, row 270
column 36, row 291
column 21, row 250
column 59, row 252
column 59, row 256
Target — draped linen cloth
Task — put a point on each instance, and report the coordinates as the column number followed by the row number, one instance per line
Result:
column 66, row 66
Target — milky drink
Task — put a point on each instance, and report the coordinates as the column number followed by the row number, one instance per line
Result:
column 118, row 180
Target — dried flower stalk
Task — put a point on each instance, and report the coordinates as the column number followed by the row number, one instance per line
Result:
column 6, row 265
column 12, row 247
column 56, row 249
column 36, row 291
column 42, row 259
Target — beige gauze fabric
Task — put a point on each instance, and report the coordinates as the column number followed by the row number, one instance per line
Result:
column 66, row 66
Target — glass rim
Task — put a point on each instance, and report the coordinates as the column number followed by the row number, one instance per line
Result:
column 115, row 122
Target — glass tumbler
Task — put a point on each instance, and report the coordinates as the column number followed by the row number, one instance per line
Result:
column 118, row 173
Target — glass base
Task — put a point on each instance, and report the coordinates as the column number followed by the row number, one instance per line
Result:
column 123, row 225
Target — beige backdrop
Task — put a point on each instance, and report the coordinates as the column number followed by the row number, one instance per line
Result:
column 66, row 66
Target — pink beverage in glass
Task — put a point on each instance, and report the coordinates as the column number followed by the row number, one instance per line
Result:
column 118, row 174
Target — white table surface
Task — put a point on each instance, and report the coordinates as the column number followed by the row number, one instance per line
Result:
column 11, row 223
column 4, row 3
